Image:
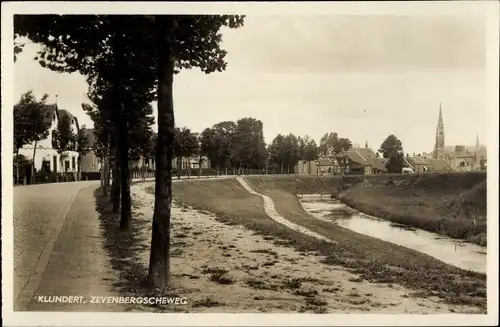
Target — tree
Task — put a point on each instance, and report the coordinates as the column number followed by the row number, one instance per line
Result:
column 21, row 126
column 18, row 48
column 224, row 138
column 292, row 151
column 140, row 134
column 30, row 123
column 327, row 143
column 343, row 144
column 185, row 146
column 285, row 151
column 308, row 150
column 277, row 151
column 331, row 144
column 390, row 146
column 156, row 46
column 395, row 163
column 208, row 145
column 249, row 144
column 392, row 149
column 64, row 137
column 82, row 146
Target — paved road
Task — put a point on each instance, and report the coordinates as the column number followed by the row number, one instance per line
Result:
column 39, row 214
column 56, row 234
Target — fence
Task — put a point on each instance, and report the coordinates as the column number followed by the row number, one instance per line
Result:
column 43, row 177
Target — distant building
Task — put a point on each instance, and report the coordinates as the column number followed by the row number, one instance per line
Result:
column 89, row 161
column 46, row 156
column 304, row 167
column 356, row 161
column 458, row 157
column 361, row 161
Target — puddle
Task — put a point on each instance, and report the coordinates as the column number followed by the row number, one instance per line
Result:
column 453, row 252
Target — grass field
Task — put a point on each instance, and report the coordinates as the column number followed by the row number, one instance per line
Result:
column 452, row 204
column 373, row 259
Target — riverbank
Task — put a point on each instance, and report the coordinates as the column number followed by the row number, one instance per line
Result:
column 387, row 264
column 222, row 267
column 428, row 204
column 451, row 204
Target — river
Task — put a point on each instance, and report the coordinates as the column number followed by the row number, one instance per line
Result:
column 453, row 252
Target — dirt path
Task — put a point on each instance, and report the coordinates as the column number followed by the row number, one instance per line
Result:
column 273, row 214
column 222, row 268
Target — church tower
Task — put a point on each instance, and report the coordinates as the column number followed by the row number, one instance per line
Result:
column 439, row 145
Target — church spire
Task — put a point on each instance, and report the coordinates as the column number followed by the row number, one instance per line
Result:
column 366, row 144
column 477, row 140
column 439, row 145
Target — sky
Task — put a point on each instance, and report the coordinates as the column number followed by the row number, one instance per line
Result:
column 362, row 76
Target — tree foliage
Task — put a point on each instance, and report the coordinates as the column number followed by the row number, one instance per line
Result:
column 331, row 144
column 64, row 136
column 285, row 151
column 82, row 141
column 186, row 143
column 392, row 149
column 308, row 149
column 30, row 123
column 391, row 146
column 135, row 53
column 249, row 145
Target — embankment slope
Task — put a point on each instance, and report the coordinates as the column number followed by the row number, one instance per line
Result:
column 372, row 259
column 452, row 204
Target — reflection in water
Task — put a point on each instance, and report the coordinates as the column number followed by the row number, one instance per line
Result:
column 453, row 252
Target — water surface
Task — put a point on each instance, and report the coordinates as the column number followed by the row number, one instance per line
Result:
column 454, row 252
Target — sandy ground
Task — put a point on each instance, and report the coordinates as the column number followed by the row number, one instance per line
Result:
column 222, row 268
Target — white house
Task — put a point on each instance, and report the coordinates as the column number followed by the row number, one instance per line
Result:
column 46, row 156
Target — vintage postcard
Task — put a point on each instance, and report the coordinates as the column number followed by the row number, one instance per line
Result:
column 279, row 163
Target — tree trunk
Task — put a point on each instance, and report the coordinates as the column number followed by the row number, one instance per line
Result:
column 218, row 170
column 102, row 175
column 288, row 169
column 199, row 168
column 123, row 161
column 116, row 187
column 33, row 163
column 281, row 167
column 108, row 170
column 189, row 167
column 159, row 260
column 179, row 167
column 143, row 170
column 17, row 166
column 78, row 171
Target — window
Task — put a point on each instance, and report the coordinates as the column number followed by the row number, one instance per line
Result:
column 54, row 141
column 73, row 162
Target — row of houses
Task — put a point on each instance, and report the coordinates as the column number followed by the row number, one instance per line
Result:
column 364, row 161
column 361, row 161
column 91, row 163
column 47, row 157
